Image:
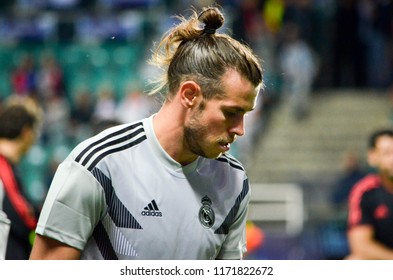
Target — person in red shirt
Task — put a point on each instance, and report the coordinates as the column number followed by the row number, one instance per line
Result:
column 19, row 120
column 370, row 217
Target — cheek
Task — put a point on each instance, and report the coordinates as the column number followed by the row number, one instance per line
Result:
column 216, row 127
column 213, row 119
column 385, row 163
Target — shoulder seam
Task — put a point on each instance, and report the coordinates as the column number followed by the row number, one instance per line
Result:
column 119, row 140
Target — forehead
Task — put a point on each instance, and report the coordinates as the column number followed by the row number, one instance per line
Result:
column 238, row 91
column 384, row 141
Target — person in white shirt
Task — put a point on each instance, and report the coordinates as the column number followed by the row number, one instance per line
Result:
column 164, row 187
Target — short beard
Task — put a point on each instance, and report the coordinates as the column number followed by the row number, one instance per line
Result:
column 195, row 132
column 192, row 134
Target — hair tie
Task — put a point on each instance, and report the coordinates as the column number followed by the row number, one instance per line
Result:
column 210, row 30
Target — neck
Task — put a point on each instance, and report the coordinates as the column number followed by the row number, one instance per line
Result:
column 10, row 150
column 387, row 181
column 168, row 126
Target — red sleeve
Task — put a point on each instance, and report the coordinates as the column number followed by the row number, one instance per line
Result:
column 11, row 187
column 355, row 210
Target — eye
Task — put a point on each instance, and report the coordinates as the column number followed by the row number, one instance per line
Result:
column 230, row 113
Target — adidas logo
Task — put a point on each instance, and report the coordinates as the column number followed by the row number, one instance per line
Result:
column 152, row 210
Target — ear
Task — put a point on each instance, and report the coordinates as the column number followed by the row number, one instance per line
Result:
column 189, row 92
column 26, row 132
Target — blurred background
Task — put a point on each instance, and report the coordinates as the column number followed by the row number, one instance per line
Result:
column 328, row 74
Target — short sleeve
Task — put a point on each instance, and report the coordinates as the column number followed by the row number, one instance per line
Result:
column 74, row 204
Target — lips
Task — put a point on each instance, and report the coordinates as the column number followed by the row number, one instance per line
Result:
column 225, row 146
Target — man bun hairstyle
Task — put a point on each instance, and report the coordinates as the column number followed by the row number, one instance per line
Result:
column 194, row 50
column 212, row 19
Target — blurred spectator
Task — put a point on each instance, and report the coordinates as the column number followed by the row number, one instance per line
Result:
column 105, row 106
column 299, row 67
column 134, row 106
column 50, row 77
column 81, row 115
column 82, row 107
column 301, row 13
column 24, row 77
column 57, row 113
column 19, row 123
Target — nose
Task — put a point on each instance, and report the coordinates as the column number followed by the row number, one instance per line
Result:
column 237, row 126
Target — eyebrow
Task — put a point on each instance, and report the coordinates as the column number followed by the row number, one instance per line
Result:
column 239, row 109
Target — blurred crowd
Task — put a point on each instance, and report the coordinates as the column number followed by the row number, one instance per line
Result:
column 304, row 44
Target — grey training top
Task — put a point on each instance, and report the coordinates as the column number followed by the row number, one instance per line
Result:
column 119, row 195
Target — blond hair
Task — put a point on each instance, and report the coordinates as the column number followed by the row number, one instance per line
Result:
column 193, row 50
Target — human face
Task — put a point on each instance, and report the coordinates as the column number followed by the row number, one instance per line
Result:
column 216, row 123
column 382, row 156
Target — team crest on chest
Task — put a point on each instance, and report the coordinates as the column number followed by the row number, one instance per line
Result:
column 206, row 213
